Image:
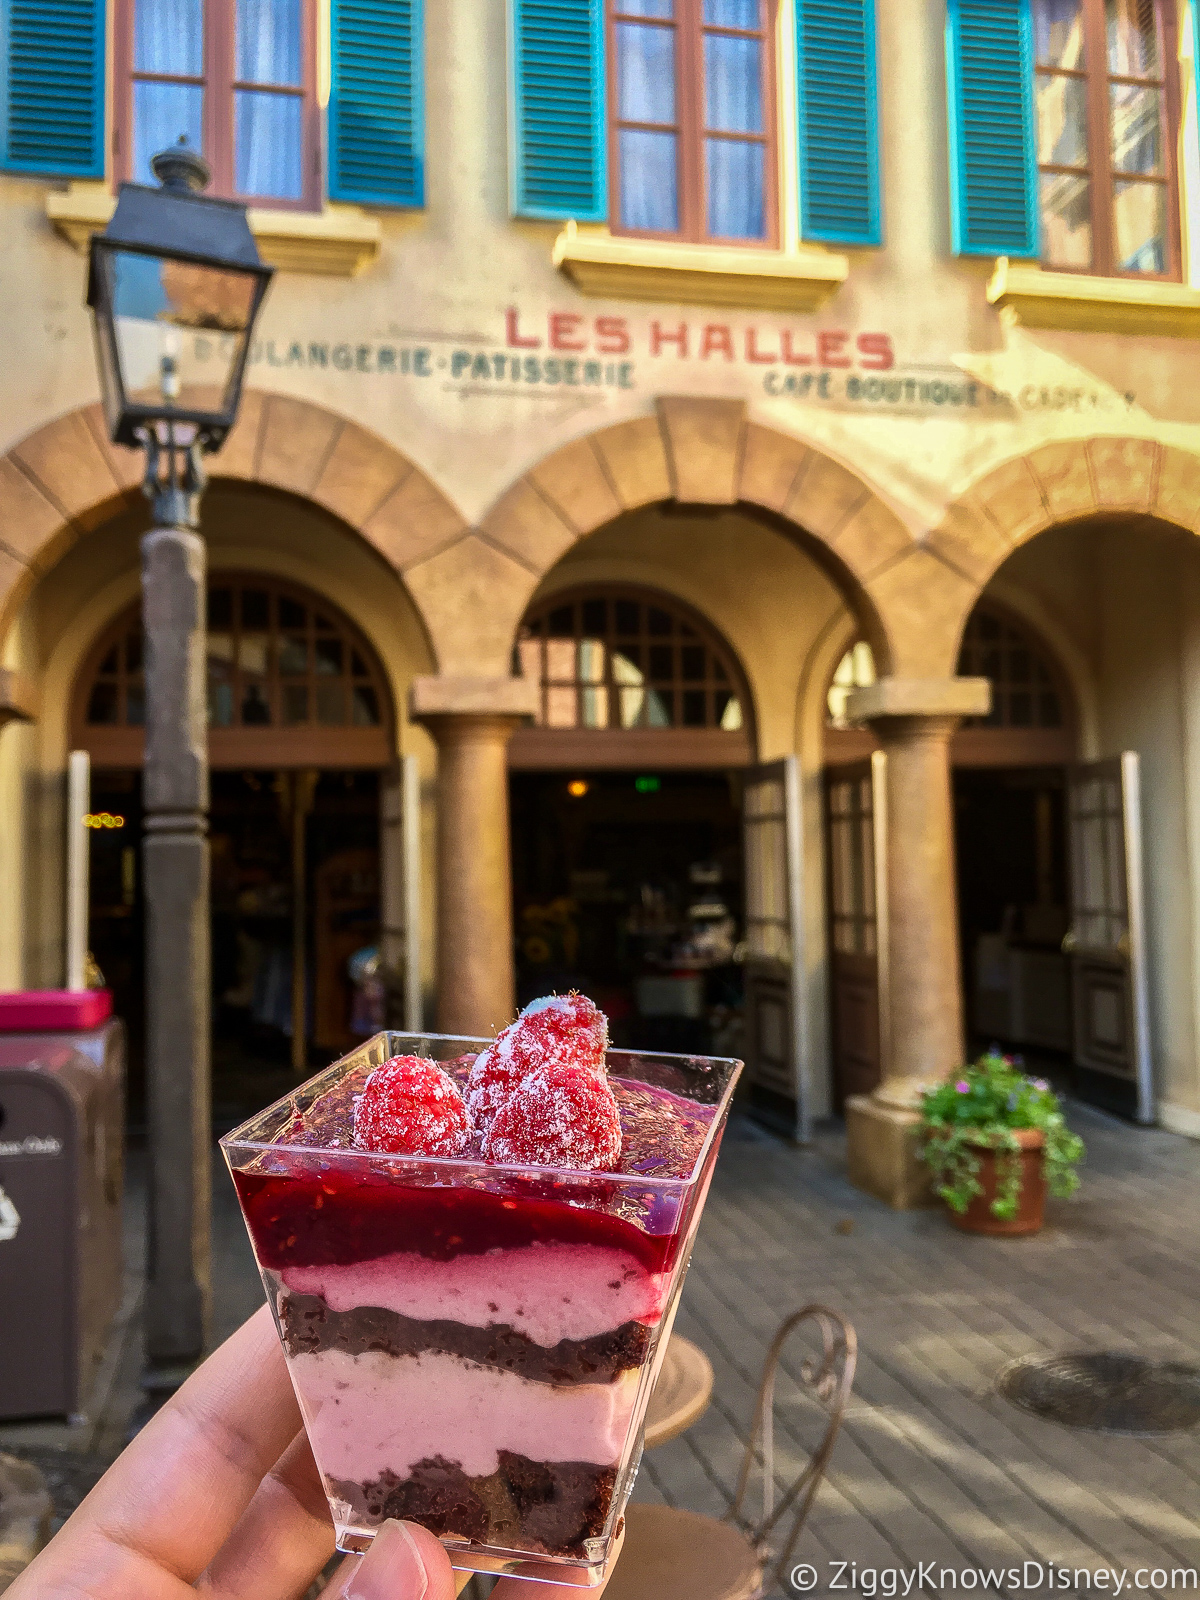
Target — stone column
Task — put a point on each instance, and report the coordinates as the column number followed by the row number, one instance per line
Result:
column 178, row 987
column 914, row 719
column 472, row 720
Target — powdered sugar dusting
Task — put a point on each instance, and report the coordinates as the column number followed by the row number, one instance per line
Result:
column 410, row 1106
column 559, row 1116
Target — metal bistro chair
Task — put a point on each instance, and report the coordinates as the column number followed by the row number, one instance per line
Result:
column 671, row 1554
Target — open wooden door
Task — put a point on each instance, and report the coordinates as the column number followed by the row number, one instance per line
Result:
column 1106, row 938
column 776, row 1020
column 856, row 847
column 400, row 894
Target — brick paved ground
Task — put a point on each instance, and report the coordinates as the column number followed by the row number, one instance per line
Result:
column 932, row 1465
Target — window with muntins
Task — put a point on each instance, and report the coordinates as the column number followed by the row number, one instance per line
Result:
column 622, row 661
column 234, row 79
column 1025, row 692
column 1108, row 119
column 692, row 120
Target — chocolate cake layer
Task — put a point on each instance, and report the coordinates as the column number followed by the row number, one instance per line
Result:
column 550, row 1506
column 309, row 1326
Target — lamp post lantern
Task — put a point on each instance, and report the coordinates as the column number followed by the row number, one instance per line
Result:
column 175, row 284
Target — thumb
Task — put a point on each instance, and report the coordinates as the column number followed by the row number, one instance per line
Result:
column 405, row 1562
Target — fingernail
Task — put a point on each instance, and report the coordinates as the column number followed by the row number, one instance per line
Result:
column 392, row 1568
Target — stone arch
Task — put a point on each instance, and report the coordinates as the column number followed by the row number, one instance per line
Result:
column 1067, row 481
column 66, row 478
column 691, row 451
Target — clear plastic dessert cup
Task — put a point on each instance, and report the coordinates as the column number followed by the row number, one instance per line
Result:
column 473, row 1345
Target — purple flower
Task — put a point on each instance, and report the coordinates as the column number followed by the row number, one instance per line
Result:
column 963, row 1086
column 1040, row 1083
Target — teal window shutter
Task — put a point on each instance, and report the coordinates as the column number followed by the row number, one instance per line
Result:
column 993, row 153
column 559, row 137
column 52, row 87
column 837, row 90
column 377, row 102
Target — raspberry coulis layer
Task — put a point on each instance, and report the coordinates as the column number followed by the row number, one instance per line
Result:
column 332, row 1217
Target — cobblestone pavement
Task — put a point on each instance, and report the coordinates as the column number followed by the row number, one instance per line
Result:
column 932, row 1465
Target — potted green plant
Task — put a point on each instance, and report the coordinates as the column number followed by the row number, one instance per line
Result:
column 997, row 1142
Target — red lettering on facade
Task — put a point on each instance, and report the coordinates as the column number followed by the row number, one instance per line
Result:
column 612, row 336
column 512, row 332
column 792, row 357
column 764, row 357
column 876, row 351
column 660, row 336
column 829, row 349
column 716, row 339
column 562, row 325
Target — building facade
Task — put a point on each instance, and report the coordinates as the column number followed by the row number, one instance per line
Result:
column 742, row 450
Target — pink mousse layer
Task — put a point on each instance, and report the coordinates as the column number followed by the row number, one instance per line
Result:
column 546, row 1291
column 372, row 1413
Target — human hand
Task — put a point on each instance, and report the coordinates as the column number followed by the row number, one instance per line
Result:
column 219, row 1494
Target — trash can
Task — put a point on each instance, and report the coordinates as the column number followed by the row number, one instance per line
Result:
column 62, row 1113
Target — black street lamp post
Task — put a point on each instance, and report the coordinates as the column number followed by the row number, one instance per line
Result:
column 175, row 283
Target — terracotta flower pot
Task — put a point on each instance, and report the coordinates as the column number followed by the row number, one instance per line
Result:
column 1031, row 1203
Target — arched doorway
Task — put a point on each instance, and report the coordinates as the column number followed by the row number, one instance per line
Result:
column 1010, row 798
column 626, row 824
column 301, row 728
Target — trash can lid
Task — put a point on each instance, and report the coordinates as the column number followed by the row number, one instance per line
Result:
column 54, row 1010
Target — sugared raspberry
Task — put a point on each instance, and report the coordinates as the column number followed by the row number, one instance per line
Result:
column 561, row 1028
column 559, row 1116
column 409, row 1106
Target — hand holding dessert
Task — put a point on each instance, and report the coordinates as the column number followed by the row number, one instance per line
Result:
column 473, row 1262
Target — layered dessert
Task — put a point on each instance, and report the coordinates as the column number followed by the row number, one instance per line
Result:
column 471, row 1263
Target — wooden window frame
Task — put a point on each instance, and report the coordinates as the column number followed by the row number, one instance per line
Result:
column 1101, row 176
column 220, row 88
column 260, row 745
column 688, row 25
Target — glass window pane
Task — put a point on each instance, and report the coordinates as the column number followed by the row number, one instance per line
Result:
column 645, row 73
column 269, row 41
column 645, row 8
column 591, row 661
column 256, row 709
column 295, row 704
column 293, row 656
column 732, row 84
column 633, row 703
column 256, row 608
column 693, row 708
column 268, row 159
column 561, row 622
column 365, row 706
column 253, row 650
column 331, row 704
column 662, row 665
column 1136, row 122
column 1066, row 220
column 595, row 617
column 162, row 114
column 658, row 621
column 220, row 608
column 735, row 189
column 692, row 663
column 358, row 666
column 291, row 613
column 660, row 708
column 732, row 14
column 627, row 664
column 102, row 703
column 594, row 707
column 627, row 614
column 1132, row 38
column 133, row 650
column 649, row 198
column 329, row 657
column 1058, row 32
column 560, row 708
column 731, row 716
column 1140, row 226
column 560, row 660
column 1062, row 120
column 135, row 705
column 168, row 37
column 109, row 664
column 220, row 704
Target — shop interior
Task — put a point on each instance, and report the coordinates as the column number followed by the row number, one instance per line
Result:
column 1011, row 845
column 628, row 886
column 295, row 924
